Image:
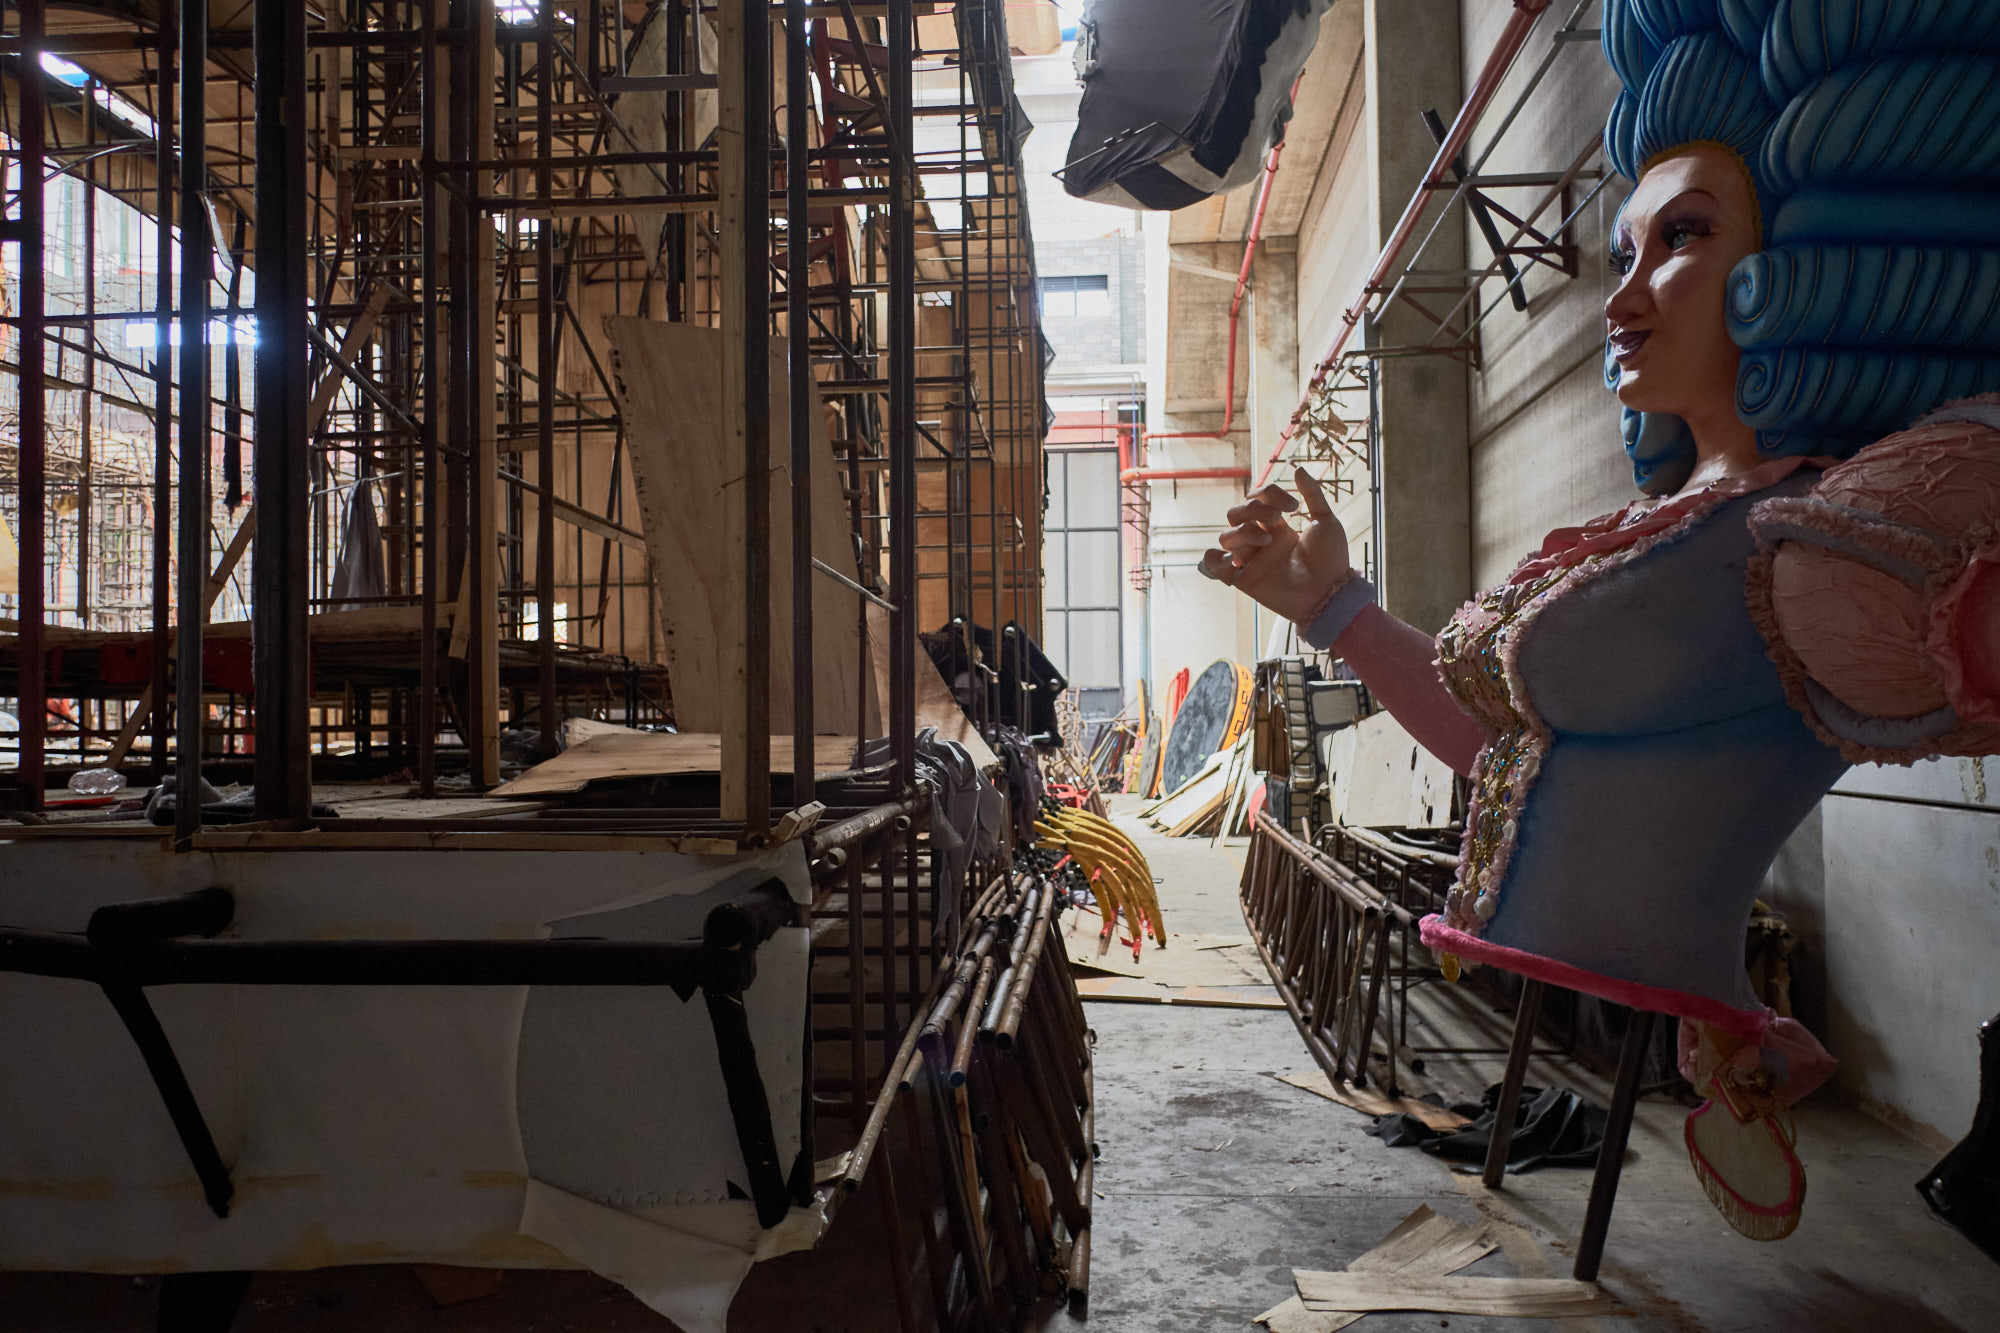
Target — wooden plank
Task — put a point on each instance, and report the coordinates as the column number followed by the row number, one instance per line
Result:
column 1507, row 1297
column 1423, row 1242
column 639, row 754
column 669, row 376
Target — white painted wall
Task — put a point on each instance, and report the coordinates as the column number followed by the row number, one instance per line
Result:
column 1893, row 887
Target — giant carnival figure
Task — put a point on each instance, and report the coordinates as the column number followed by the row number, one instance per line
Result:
column 1805, row 338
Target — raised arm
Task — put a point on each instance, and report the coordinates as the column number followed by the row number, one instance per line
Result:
column 1307, row 578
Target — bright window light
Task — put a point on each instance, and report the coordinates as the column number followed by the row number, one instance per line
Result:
column 242, row 332
column 126, row 112
column 1084, row 296
column 73, row 75
column 531, row 621
column 522, row 12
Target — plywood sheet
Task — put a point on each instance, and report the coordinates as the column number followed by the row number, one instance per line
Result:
column 644, row 754
column 670, row 376
column 1383, row 779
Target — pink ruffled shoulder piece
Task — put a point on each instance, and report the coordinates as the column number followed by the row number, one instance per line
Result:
column 1879, row 592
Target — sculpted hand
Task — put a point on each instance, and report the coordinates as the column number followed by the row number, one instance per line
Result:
column 1262, row 556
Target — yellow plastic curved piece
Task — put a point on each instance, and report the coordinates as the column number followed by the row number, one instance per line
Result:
column 1104, row 831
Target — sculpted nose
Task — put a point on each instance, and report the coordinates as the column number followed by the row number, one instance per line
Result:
column 1628, row 300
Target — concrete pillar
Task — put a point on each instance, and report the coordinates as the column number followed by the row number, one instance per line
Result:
column 1274, row 344
column 1425, row 572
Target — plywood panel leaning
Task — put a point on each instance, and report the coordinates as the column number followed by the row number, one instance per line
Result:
column 670, row 378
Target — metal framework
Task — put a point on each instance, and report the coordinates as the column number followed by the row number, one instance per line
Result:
column 468, row 186
column 1452, row 303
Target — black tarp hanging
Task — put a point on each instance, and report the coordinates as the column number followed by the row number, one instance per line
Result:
column 1182, row 98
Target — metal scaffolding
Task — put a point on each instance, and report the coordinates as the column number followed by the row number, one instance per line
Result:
column 466, row 188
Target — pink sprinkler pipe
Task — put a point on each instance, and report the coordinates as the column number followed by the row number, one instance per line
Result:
column 1512, row 39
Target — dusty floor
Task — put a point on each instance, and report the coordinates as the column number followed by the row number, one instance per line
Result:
column 1216, row 1179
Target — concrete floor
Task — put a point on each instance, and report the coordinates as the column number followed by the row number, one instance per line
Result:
column 1217, row 1179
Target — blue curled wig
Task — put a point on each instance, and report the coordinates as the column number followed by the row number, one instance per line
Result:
column 1870, row 130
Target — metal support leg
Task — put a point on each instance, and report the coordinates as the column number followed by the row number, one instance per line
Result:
column 1525, row 1017
column 1611, row 1157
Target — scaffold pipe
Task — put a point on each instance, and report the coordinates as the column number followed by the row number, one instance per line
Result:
column 1185, row 474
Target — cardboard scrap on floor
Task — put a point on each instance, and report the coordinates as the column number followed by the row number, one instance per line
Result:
column 1114, row 962
column 1370, row 1103
column 1421, row 1243
column 1190, row 959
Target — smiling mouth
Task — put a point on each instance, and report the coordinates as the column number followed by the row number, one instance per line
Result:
column 1625, row 343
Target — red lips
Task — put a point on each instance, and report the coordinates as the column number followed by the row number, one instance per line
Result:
column 1625, row 343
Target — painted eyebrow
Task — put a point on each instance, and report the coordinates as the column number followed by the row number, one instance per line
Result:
column 1621, row 235
column 1692, row 189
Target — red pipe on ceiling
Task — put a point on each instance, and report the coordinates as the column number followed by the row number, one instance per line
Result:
column 1184, row 474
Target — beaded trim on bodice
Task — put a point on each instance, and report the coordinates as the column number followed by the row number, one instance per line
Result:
column 1476, row 658
column 1479, row 655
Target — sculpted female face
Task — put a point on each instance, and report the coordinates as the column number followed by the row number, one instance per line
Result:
column 1689, row 222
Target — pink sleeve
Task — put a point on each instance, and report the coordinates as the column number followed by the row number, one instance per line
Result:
column 1398, row 664
column 1878, row 593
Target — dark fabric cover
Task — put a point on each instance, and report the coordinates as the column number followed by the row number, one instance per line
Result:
column 1181, row 98
column 1964, row 1189
column 1021, row 658
column 1553, row 1127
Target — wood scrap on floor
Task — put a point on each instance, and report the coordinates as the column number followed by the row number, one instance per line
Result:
column 1419, row 1243
column 1182, row 963
column 1371, row 1103
column 1423, row 1242
column 1130, row 990
column 1423, row 1245
column 1112, row 963
column 1515, row 1297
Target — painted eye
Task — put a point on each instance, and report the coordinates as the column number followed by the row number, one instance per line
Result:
column 1678, row 234
column 1621, row 262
